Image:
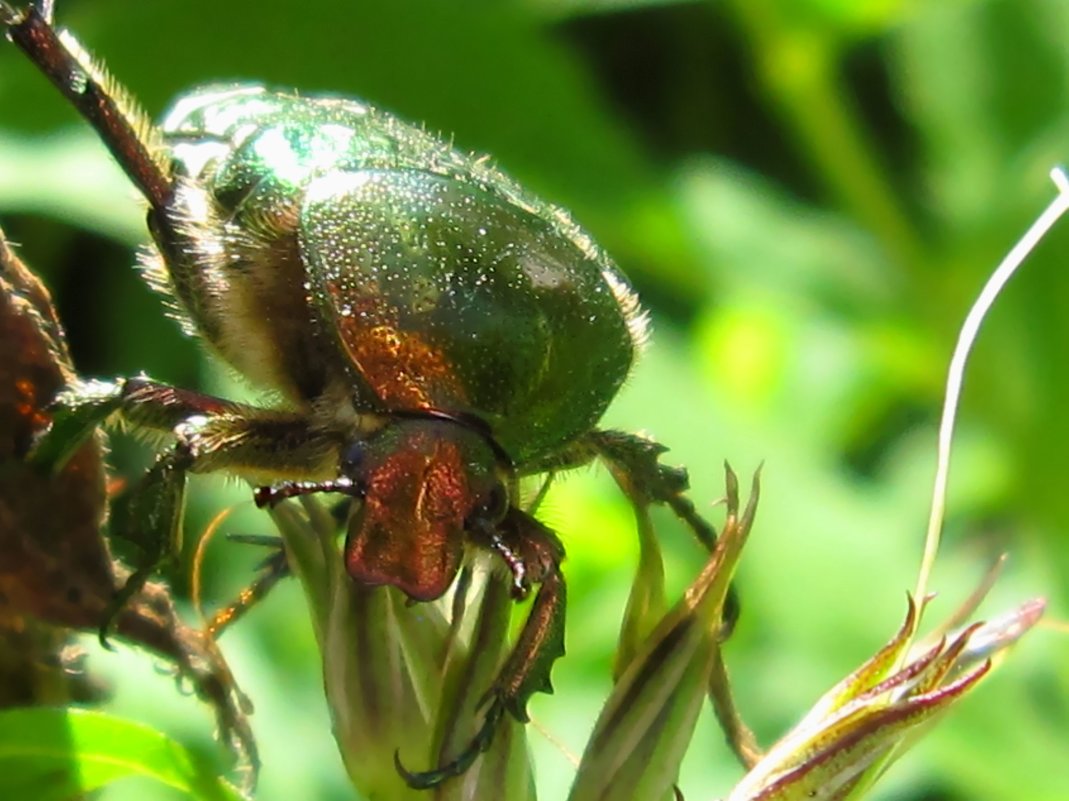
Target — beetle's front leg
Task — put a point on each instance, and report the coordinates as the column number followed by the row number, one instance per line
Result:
column 541, row 641
column 634, row 463
column 533, row 555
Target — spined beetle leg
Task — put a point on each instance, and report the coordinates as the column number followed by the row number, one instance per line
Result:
column 633, row 462
column 211, row 434
column 541, row 642
column 273, row 568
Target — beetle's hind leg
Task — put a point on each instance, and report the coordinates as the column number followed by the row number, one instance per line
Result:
column 533, row 555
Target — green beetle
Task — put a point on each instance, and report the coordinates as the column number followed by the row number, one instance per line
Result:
column 425, row 314
column 435, row 333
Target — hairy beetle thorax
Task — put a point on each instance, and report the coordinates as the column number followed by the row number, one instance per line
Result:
column 230, row 254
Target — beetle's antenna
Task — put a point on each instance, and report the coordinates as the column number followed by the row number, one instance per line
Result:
column 124, row 128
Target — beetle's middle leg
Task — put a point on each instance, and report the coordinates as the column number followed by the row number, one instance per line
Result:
column 210, row 434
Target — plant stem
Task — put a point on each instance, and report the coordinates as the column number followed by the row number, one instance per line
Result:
column 797, row 66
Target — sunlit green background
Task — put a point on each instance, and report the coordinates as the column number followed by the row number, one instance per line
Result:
column 807, row 193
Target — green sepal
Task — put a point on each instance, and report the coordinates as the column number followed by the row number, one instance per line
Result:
column 382, row 657
column 647, row 602
column 644, row 728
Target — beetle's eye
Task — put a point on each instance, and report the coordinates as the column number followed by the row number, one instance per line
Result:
column 354, row 459
column 353, row 464
column 493, row 509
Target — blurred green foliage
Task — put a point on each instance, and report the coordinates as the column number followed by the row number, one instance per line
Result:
column 63, row 753
column 807, row 194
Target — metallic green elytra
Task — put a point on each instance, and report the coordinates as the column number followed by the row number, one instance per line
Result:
column 432, row 331
column 342, row 253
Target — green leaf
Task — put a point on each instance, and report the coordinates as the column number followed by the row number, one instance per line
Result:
column 53, row 754
column 485, row 74
column 35, row 177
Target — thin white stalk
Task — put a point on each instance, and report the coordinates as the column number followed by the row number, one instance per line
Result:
column 955, row 374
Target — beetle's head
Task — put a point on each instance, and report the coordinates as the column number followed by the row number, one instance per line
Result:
column 424, row 482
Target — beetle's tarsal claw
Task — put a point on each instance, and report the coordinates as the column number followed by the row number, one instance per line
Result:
column 264, row 497
column 102, row 636
column 484, row 737
column 134, row 583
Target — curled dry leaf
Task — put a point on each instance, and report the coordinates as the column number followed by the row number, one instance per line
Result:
column 56, row 570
